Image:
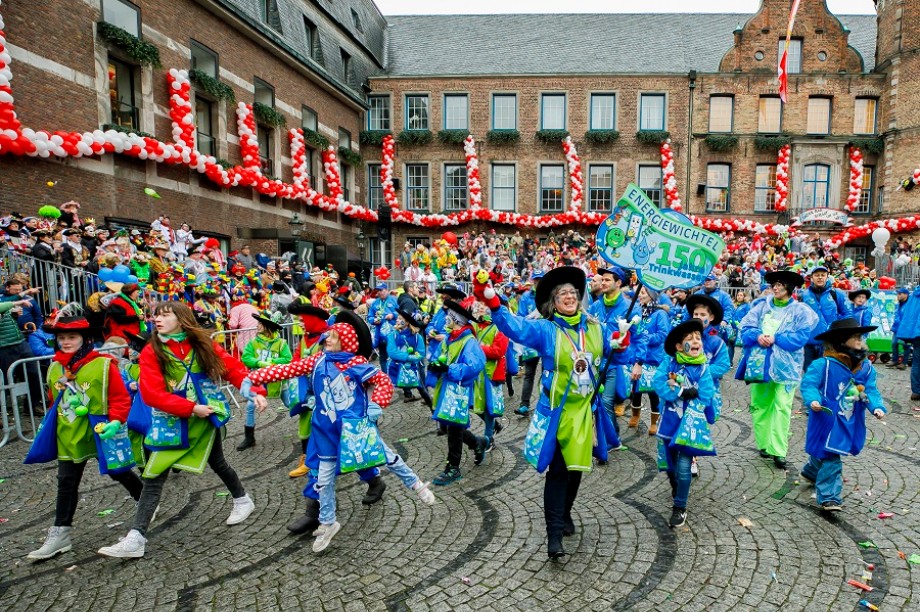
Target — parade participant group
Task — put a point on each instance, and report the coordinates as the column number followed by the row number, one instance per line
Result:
column 137, row 378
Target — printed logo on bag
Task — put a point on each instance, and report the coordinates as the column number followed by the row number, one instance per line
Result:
column 663, row 247
column 337, row 395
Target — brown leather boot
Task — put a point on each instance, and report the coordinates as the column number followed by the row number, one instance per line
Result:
column 619, row 409
column 634, row 419
column 653, row 423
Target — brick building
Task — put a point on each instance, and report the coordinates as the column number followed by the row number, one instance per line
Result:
column 340, row 70
column 707, row 80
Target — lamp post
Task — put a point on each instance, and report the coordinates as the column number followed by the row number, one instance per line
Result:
column 296, row 225
column 361, row 247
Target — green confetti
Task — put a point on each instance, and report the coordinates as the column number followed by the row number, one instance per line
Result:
column 2, row 480
column 153, row 194
column 914, row 559
column 868, row 544
column 875, row 442
column 900, row 436
column 222, row 493
column 403, row 440
column 106, row 512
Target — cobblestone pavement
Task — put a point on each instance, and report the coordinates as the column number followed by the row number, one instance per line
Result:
column 482, row 546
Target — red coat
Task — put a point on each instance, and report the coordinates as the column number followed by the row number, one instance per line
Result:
column 497, row 352
column 120, row 317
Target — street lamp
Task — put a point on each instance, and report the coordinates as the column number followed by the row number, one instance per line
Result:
column 361, row 246
column 296, row 225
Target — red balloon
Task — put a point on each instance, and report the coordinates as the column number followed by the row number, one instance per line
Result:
column 450, row 237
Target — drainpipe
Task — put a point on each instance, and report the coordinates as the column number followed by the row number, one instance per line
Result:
column 691, row 76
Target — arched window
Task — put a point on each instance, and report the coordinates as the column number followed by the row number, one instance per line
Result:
column 816, row 186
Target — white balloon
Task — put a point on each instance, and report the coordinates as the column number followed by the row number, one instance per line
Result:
column 881, row 236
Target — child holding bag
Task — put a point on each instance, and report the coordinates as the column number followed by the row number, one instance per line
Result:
column 405, row 351
column 86, row 420
column 685, row 386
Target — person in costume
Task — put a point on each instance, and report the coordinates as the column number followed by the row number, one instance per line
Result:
column 406, row 350
column 561, row 437
column 828, row 303
column 488, row 390
column 124, row 314
column 711, row 289
column 687, row 391
column 180, row 370
column 648, row 352
column 742, row 307
column 460, row 364
column 840, row 388
column 267, row 348
column 350, row 393
column 611, row 309
column 860, row 307
column 90, row 402
column 901, row 351
column 909, row 331
column 382, row 315
column 528, row 357
column 774, row 334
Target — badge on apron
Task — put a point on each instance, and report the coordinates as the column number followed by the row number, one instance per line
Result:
column 581, row 372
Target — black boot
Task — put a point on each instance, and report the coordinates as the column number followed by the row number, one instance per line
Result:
column 309, row 521
column 568, row 525
column 375, row 488
column 249, row 438
column 554, row 546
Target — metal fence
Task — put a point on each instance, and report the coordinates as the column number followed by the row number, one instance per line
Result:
column 904, row 275
column 59, row 284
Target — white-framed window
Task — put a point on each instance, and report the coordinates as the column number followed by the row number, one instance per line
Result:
column 378, row 112
column 794, row 58
column 652, row 112
column 455, row 187
column 504, row 111
column 456, row 111
column 650, row 181
column 417, row 106
column 204, row 59
column 864, row 205
column 552, row 188
column 126, row 15
column 205, row 126
column 721, row 113
column 123, row 94
column 600, row 187
column 552, row 111
column 418, row 187
column 504, row 187
column 603, row 111
column 816, row 186
column 765, row 188
column 819, row 116
column 718, row 179
column 856, row 253
column 770, row 115
column 308, row 119
column 375, row 256
column 374, row 187
column 864, row 116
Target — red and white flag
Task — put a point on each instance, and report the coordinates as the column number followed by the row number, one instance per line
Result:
column 783, row 75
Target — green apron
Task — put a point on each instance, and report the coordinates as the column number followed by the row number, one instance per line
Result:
column 487, row 337
column 200, row 431
column 268, row 350
column 453, row 353
column 133, row 374
column 305, row 419
column 576, row 423
column 90, row 388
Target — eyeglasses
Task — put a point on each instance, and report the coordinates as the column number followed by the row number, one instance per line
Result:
column 567, row 293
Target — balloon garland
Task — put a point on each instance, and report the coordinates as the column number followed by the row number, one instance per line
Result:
column 249, row 142
column 299, row 160
column 782, row 178
column 897, row 226
column 474, row 188
column 386, row 171
column 742, row 225
column 333, row 175
column 668, row 179
column 856, row 178
column 576, row 180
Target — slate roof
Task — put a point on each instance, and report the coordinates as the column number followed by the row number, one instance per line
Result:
column 675, row 43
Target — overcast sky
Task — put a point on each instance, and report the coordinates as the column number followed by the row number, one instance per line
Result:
column 480, row 7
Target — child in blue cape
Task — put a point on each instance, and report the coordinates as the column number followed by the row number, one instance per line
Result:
column 839, row 388
column 406, row 350
column 685, row 387
column 860, row 309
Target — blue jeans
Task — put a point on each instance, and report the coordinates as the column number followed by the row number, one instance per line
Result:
column 250, row 414
column 489, row 421
column 680, row 477
column 897, row 345
column 325, row 483
column 828, row 477
column 915, row 369
column 398, row 467
column 609, row 399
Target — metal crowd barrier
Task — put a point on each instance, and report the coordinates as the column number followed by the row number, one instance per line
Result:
column 59, row 284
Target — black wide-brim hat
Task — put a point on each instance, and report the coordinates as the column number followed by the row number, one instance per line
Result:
column 456, row 307
column 137, row 341
column 268, row 323
column 787, row 277
column 698, row 299
column 680, row 332
column 854, row 294
column 305, row 309
column 365, row 344
column 560, row 276
column 452, row 291
column 411, row 318
column 842, row 329
column 344, row 303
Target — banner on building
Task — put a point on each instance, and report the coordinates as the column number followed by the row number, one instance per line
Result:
column 822, row 215
column 663, row 247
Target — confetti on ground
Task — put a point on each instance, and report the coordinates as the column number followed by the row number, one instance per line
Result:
column 902, row 556
column 900, row 436
column 866, row 604
column 773, row 577
column 745, row 522
column 222, row 493
column 152, row 193
column 2, row 480
column 4, row 520
column 70, row 569
column 466, row 580
column 868, row 544
column 113, row 525
column 403, row 440
column 859, row 585
column 875, row 442
column 105, row 512
column 914, row 559
column 885, row 515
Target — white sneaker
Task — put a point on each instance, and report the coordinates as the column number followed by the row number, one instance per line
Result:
column 129, row 547
column 242, row 508
column 325, row 538
column 424, row 493
column 57, row 542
